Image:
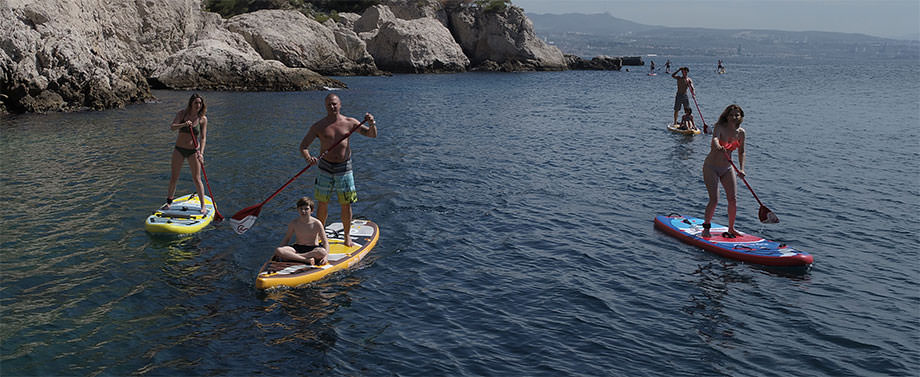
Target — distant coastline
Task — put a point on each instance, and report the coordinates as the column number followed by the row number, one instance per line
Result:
column 599, row 34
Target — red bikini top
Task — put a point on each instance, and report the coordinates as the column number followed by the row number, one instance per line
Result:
column 730, row 146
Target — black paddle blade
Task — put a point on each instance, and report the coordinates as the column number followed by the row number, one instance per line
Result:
column 767, row 216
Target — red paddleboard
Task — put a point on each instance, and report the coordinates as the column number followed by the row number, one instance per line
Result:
column 745, row 247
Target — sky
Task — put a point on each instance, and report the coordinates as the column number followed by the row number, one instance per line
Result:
column 881, row 18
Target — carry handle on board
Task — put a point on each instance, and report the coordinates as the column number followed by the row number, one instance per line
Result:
column 246, row 217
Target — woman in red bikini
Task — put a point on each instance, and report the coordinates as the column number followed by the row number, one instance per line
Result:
column 191, row 123
column 727, row 136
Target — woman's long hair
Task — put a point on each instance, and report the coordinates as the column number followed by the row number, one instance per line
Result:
column 724, row 117
column 204, row 108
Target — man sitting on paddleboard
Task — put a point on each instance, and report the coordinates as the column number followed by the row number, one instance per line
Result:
column 312, row 245
column 727, row 135
column 681, row 99
column 335, row 167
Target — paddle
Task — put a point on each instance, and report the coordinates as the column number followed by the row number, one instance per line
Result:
column 217, row 215
column 698, row 111
column 246, row 218
column 765, row 214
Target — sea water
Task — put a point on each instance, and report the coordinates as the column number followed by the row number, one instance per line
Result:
column 516, row 212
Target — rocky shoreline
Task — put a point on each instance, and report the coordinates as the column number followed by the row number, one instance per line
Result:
column 96, row 54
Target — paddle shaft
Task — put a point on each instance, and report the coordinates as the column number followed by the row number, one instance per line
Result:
column 698, row 111
column 729, row 157
column 217, row 214
column 321, row 155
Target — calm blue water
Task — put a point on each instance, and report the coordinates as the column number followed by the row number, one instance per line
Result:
column 517, row 237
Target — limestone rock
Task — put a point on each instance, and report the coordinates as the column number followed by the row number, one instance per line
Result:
column 415, row 9
column 503, row 37
column 412, row 46
column 54, row 58
column 216, row 64
column 598, row 63
column 98, row 54
column 298, row 41
column 373, row 18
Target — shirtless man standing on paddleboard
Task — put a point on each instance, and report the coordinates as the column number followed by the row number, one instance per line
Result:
column 681, row 99
column 335, row 167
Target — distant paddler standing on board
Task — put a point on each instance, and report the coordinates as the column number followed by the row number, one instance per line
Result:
column 335, row 170
column 683, row 82
column 667, row 66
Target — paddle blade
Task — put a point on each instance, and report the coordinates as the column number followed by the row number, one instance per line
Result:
column 767, row 216
column 245, row 219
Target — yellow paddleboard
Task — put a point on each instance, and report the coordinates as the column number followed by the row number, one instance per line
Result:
column 183, row 216
column 364, row 235
column 674, row 128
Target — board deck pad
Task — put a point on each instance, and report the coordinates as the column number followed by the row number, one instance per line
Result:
column 364, row 235
column 745, row 247
column 182, row 217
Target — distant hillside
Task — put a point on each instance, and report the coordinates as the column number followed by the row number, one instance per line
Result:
column 596, row 24
column 603, row 34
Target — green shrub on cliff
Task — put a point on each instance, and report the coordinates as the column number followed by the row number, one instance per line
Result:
column 493, row 5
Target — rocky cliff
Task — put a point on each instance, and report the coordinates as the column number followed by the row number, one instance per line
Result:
column 98, row 54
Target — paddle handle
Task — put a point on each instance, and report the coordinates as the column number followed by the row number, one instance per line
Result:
column 321, row 155
column 729, row 157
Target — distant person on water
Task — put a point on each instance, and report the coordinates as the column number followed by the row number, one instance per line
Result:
column 652, row 67
column 727, row 136
column 312, row 244
column 335, row 173
column 191, row 123
column 667, row 66
column 683, row 82
column 721, row 68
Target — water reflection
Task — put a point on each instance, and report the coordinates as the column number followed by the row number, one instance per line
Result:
column 713, row 280
column 306, row 313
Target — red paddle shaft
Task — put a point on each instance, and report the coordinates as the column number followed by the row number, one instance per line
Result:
column 321, row 155
column 245, row 218
column 729, row 157
column 698, row 111
column 217, row 215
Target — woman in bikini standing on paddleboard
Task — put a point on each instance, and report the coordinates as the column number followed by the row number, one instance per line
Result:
column 191, row 123
column 727, row 136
